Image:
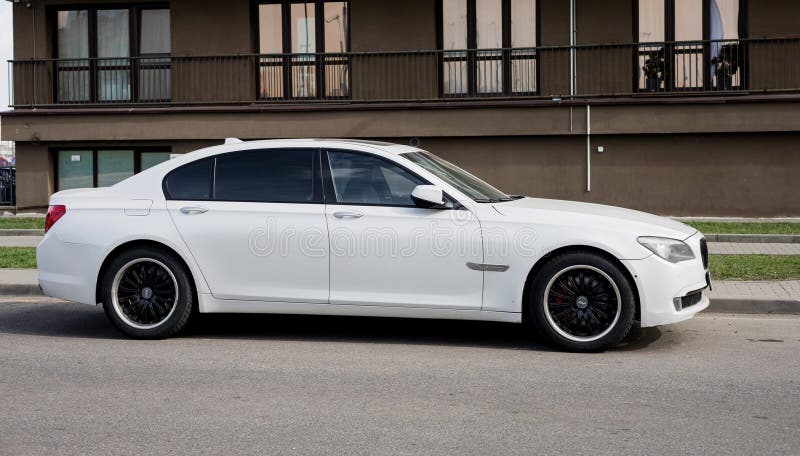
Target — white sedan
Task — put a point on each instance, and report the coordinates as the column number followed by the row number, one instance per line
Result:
column 345, row 227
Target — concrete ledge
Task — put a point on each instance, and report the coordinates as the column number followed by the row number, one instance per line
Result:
column 754, row 306
column 25, row 232
column 754, row 238
column 20, row 289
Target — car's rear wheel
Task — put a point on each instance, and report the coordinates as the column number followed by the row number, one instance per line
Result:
column 582, row 301
column 147, row 293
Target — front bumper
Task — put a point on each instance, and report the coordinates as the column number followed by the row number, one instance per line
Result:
column 660, row 282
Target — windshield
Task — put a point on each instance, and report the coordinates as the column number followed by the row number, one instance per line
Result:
column 465, row 182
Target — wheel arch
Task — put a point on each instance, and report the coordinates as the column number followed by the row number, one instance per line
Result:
column 571, row 249
column 116, row 251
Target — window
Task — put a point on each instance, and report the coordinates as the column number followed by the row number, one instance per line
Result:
column 369, row 180
column 275, row 176
column 149, row 159
column 102, row 56
column 113, row 166
column 84, row 168
column 690, row 45
column 489, row 47
column 75, row 169
column 191, row 182
column 316, row 35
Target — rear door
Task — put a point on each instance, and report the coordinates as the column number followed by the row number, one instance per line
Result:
column 255, row 223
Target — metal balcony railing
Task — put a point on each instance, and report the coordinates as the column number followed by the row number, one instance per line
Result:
column 603, row 70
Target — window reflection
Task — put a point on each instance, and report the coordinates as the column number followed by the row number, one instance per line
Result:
column 482, row 63
column 309, row 62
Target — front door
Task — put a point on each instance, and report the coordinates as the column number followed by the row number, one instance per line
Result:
column 259, row 231
column 386, row 251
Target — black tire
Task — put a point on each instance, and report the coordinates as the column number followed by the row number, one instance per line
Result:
column 591, row 302
column 143, row 314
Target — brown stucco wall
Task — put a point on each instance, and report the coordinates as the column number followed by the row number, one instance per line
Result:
column 223, row 28
column 545, row 120
column 604, row 70
column 35, row 178
column 774, row 18
column 554, row 63
column 389, row 25
column 707, row 175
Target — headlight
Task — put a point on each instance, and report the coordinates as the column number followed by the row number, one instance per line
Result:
column 671, row 250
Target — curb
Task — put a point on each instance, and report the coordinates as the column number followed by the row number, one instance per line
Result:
column 14, row 289
column 22, row 232
column 754, row 306
column 754, row 238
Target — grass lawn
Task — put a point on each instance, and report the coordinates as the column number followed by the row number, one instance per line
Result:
column 746, row 227
column 754, row 267
column 21, row 223
column 18, row 257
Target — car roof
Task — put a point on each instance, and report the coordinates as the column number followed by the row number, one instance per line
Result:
column 334, row 143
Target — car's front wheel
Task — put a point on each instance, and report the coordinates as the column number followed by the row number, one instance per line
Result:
column 147, row 293
column 582, row 301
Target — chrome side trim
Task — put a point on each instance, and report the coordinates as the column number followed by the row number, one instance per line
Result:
column 488, row 267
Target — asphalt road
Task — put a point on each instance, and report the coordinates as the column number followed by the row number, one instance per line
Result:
column 70, row 384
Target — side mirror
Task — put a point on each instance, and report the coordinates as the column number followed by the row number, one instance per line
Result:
column 428, row 196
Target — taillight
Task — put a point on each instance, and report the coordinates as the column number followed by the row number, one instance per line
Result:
column 53, row 214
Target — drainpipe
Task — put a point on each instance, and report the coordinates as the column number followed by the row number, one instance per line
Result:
column 29, row 5
column 572, row 42
column 571, row 62
column 588, row 147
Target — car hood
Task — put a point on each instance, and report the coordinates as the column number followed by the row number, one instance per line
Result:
column 559, row 212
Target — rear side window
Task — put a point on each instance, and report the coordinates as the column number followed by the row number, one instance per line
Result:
column 190, row 182
column 269, row 176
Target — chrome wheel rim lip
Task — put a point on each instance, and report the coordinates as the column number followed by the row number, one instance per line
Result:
column 115, row 293
column 558, row 328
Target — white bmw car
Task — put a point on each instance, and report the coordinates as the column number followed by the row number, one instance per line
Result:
column 344, row 227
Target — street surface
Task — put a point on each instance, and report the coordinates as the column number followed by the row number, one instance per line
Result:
column 70, row 384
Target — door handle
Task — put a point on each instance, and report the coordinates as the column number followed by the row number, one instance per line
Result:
column 348, row 214
column 189, row 210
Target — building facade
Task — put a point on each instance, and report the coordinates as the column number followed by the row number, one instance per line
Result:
column 679, row 107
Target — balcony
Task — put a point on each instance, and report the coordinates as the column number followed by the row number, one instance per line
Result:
column 608, row 70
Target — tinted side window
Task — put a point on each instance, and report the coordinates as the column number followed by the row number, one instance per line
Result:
column 190, row 182
column 277, row 176
column 366, row 179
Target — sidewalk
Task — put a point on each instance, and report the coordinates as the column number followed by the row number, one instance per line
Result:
column 752, row 248
column 19, row 282
column 20, row 241
column 781, row 297
column 778, row 297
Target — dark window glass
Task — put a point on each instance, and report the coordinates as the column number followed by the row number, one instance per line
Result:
column 366, row 179
column 277, row 176
column 190, row 182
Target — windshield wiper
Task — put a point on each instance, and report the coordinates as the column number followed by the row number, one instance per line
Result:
column 509, row 198
column 499, row 200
